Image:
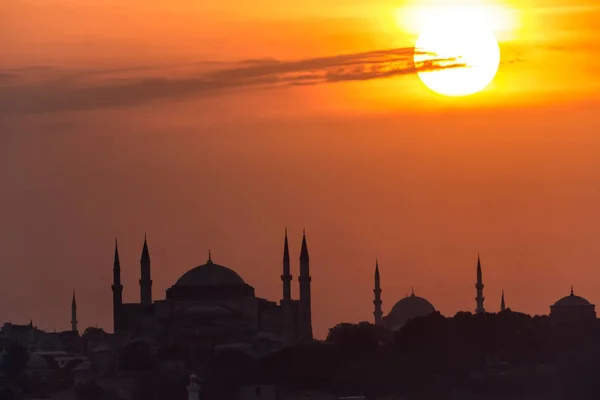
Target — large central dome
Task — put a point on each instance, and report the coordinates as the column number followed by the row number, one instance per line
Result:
column 210, row 274
column 209, row 281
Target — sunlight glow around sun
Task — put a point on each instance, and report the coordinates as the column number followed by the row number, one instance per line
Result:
column 458, row 34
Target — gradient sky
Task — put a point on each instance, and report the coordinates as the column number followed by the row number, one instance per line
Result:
column 215, row 125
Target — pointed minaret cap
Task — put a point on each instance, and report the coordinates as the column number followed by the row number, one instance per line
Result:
column 376, row 268
column 73, row 302
column 286, row 248
column 145, row 252
column 116, row 263
column 304, row 249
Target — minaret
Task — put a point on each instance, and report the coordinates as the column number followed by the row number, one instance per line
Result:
column 502, row 304
column 145, row 281
column 289, row 333
column 286, row 278
column 304, row 281
column 479, row 286
column 377, row 302
column 117, row 290
column 73, row 314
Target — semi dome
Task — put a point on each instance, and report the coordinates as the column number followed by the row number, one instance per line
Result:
column 408, row 308
column 210, row 274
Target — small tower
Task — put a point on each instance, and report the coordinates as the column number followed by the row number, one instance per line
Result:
column 479, row 286
column 74, row 314
column 502, row 304
column 145, row 280
column 377, row 302
column 117, row 289
column 304, row 280
column 193, row 388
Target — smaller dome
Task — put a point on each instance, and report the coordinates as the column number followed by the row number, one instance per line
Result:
column 572, row 301
column 408, row 308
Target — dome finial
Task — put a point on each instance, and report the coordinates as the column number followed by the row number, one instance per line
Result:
column 412, row 291
column 572, row 294
column 209, row 258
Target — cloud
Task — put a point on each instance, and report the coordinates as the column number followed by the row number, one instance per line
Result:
column 104, row 89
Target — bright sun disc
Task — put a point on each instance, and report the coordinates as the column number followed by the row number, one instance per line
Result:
column 473, row 46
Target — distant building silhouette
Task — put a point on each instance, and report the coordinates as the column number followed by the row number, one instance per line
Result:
column 479, row 286
column 211, row 305
column 404, row 310
column 571, row 309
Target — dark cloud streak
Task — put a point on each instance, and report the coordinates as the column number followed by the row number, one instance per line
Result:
column 61, row 94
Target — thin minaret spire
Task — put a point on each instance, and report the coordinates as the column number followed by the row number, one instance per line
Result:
column 145, row 278
column 117, row 289
column 304, row 281
column 289, row 331
column 286, row 276
column 502, row 303
column 73, row 313
column 479, row 286
column 377, row 291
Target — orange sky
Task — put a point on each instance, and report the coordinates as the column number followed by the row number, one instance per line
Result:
column 108, row 128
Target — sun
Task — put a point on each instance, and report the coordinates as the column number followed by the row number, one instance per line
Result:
column 461, row 40
column 469, row 58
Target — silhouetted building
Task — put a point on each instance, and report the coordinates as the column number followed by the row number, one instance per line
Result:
column 479, row 286
column 404, row 310
column 571, row 309
column 213, row 305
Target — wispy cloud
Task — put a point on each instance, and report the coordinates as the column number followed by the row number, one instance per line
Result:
column 102, row 89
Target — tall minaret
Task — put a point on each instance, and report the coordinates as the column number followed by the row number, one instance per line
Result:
column 479, row 286
column 117, row 290
column 290, row 334
column 73, row 314
column 145, row 281
column 286, row 278
column 304, row 280
column 377, row 302
column 502, row 304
